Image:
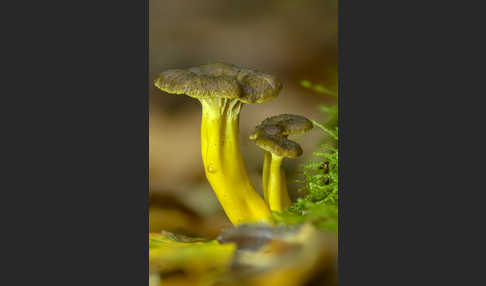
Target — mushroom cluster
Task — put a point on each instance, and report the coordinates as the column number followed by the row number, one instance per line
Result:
column 272, row 136
column 223, row 89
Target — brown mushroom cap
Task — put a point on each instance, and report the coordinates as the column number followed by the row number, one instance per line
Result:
column 279, row 145
column 271, row 134
column 283, row 124
column 220, row 80
column 290, row 123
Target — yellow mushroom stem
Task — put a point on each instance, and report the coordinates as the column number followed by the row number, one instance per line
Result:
column 277, row 193
column 285, row 193
column 223, row 164
column 267, row 157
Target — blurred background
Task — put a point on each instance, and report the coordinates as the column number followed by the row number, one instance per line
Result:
column 294, row 40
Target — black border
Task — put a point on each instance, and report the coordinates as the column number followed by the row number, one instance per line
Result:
column 75, row 181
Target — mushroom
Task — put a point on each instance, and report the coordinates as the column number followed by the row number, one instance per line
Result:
column 271, row 135
column 222, row 90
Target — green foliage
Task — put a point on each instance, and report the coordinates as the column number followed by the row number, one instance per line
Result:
column 332, row 112
column 319, row 88
column 327, row 87
column 319, row 204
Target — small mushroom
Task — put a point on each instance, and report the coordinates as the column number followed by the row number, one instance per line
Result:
column 271, row 135
column 222, row 90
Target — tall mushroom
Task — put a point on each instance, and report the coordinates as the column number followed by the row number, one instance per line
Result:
column 271, row 135
column 222, row 90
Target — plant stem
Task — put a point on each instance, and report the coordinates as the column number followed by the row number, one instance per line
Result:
column 275, row 194
column 267, row 157
column 223, row 164
column 284, row 200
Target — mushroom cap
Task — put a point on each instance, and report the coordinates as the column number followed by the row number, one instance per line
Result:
column 271, row 134
column 220, row 80
column 279, row 145
column 283, row 124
